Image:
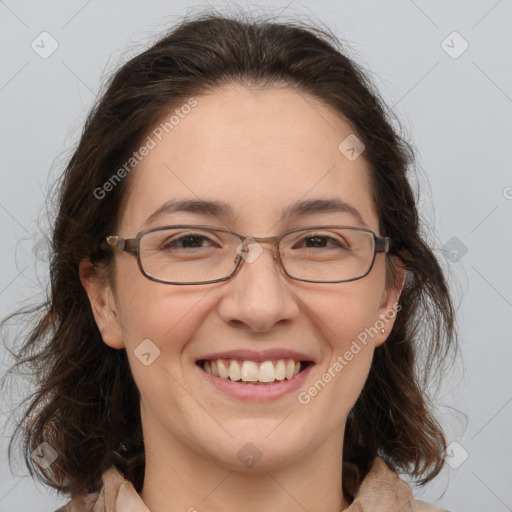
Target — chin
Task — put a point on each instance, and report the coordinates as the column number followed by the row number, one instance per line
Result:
column 256, row 450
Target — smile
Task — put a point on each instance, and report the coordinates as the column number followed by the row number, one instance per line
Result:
column 254, row 381
column 252, row 372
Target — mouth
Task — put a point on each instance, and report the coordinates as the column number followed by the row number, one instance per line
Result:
column 254, row 373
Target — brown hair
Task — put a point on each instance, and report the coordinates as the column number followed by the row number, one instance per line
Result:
column 86, row 404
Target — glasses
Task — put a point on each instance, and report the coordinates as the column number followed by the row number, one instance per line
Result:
column 185, row 254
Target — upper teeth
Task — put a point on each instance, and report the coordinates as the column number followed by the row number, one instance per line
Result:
column 250, row 371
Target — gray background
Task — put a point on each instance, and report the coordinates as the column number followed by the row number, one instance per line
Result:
column 455, row 106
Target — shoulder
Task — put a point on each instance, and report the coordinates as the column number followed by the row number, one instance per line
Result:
column 114, row 494
column 423, row 506
column 85, row 502
column 382, row 490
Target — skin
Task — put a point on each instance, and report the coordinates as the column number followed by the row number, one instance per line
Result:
column 259, row 151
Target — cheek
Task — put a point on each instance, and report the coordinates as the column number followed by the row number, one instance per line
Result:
column 350, row 335
column 164, row 314
column 345, row 318
column 159, row 321
column 346, row 311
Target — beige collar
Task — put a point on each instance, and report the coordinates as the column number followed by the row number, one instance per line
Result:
column 381, row 490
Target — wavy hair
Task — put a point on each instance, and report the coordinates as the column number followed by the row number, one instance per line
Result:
column 86, row 404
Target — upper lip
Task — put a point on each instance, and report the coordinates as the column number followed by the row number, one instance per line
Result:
column 258, row 355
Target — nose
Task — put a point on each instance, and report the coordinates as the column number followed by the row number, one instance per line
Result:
column 259, row 295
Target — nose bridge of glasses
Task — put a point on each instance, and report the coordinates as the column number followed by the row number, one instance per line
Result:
column 263, row 239
column 247, row 241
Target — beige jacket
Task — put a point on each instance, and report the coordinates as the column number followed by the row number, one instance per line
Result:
column 381, row 490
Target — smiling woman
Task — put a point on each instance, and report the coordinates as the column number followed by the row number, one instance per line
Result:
column 236, row 324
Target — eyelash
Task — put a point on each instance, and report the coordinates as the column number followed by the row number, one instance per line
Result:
column 177, row 240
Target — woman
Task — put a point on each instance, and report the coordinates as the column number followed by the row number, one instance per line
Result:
column 239, row 288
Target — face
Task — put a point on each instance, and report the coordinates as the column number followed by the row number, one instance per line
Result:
column 259, row 152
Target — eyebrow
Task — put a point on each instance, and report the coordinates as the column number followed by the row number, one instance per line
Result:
column 221, row 209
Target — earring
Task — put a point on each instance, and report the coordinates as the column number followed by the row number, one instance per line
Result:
column 383, row 331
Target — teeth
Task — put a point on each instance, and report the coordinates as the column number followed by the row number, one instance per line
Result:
column 234, row 371
column 250, row 371
column 280, row 370
column 214, row 368
column 267, row 372
column 290, row 368
column 223, row 371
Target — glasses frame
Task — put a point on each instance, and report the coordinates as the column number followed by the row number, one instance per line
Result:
column 132, row 246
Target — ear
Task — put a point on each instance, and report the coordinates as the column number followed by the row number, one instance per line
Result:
column 389, row 307
column 103, row 304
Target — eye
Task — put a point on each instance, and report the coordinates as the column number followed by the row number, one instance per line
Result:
column 189, row 241
column 321, row 241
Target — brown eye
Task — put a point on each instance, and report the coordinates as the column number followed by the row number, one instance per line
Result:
column 188, row 241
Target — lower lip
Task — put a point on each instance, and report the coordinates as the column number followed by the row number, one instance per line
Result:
column 256, row 392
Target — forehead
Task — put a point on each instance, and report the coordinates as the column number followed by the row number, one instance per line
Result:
column 257, row 150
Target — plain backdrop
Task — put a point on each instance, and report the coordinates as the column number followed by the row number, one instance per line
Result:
column 444, row 68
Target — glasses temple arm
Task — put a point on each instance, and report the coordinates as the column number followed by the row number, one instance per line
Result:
column 381, row 244
column 128, row 245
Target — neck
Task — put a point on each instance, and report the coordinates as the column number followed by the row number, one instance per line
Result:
column 180, row 479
